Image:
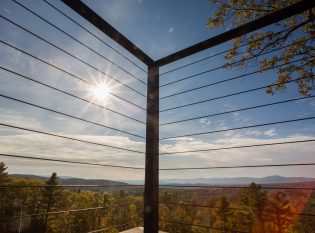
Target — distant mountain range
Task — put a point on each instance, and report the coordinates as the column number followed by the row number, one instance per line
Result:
column 231, row 181
column 207, row 181
column 67, row 180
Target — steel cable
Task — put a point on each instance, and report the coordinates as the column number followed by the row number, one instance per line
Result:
column 62, row 212
column 242, row 127
column 69, row 94
column 240, row 166
column 69, row 138
column 70, row 186
column 233, row 94
column 237, row 110
column 233, row 63
column 203, row 226
column 238, row 147
column 70, row 116
column 229, row 79
column 239, row 209
column 86, row 46
column 223, row 52
column 68, row 73
column 68, row 161
column 95, row 36
column 71, row 55
column 233, row 187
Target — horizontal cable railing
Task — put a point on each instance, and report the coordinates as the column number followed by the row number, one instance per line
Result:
column 232, row 208
column 69, row 73
column 242, row 127
column 161, row 169
column 240, row 166
column 171, row 139
column 231, row 64
column 238, row 110
column 226, row 51
column 78, row 41
column 233, row 187
column 115, row 227
column 69, row 138
column 234, row 94
column 71, row 162
column 94, row 35
column 64, row 212
column 70, row 186
column 164, row 186
column 41, row 213
column 231, row 79
column 202, row 226
column 73, row 56
column 240, row 147
column 70, row 116
column 198, row 139
column 69, row 94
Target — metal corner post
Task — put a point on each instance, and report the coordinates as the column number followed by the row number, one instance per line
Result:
column 151, row 189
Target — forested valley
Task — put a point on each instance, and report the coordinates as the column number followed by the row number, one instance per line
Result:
column 34, row 205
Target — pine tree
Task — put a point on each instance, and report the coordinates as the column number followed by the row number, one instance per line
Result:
column 50, row 197
column 3, row 173
column 224, row 213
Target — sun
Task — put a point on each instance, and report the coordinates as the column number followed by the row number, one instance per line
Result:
column 100, row 91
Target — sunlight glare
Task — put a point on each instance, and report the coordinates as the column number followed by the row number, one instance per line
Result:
column 100, row 91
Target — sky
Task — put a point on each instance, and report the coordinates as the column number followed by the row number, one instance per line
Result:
column 159, row 28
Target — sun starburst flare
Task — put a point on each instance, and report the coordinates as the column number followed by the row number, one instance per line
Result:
column 100, row 91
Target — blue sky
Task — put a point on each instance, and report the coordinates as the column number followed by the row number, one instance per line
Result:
column 158, row 28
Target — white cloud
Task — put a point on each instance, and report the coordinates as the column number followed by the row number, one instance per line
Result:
column 205, row 121
column 253, row 132
column 49, row 147
column 270, row 132
column 170, row 30
column 277, row 154
column 8, row 116
column 183, row 139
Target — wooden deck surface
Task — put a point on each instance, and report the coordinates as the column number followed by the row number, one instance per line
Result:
column 138, row 230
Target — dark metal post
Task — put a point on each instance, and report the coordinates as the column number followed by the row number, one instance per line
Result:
column 151, row 189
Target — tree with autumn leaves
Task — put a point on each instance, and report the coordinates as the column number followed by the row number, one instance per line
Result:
column 292, row 39
column 252, row 202
column 251, row 209
column 40, row 203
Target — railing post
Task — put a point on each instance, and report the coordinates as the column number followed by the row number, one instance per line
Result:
column 151, row 189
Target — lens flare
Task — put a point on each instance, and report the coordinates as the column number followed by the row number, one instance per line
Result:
column 100, row 91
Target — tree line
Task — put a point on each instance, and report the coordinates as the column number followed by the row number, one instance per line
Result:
column 43, row 207
column 252, row 210
column 38, row 207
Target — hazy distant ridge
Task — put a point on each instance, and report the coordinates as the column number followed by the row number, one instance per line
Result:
column 73, row 180
column 239, row 180
column 208, row 181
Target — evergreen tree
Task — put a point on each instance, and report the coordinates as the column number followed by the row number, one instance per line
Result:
column 253, row 201
column 223, row 213
column 3, row 173
column 50, row 197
